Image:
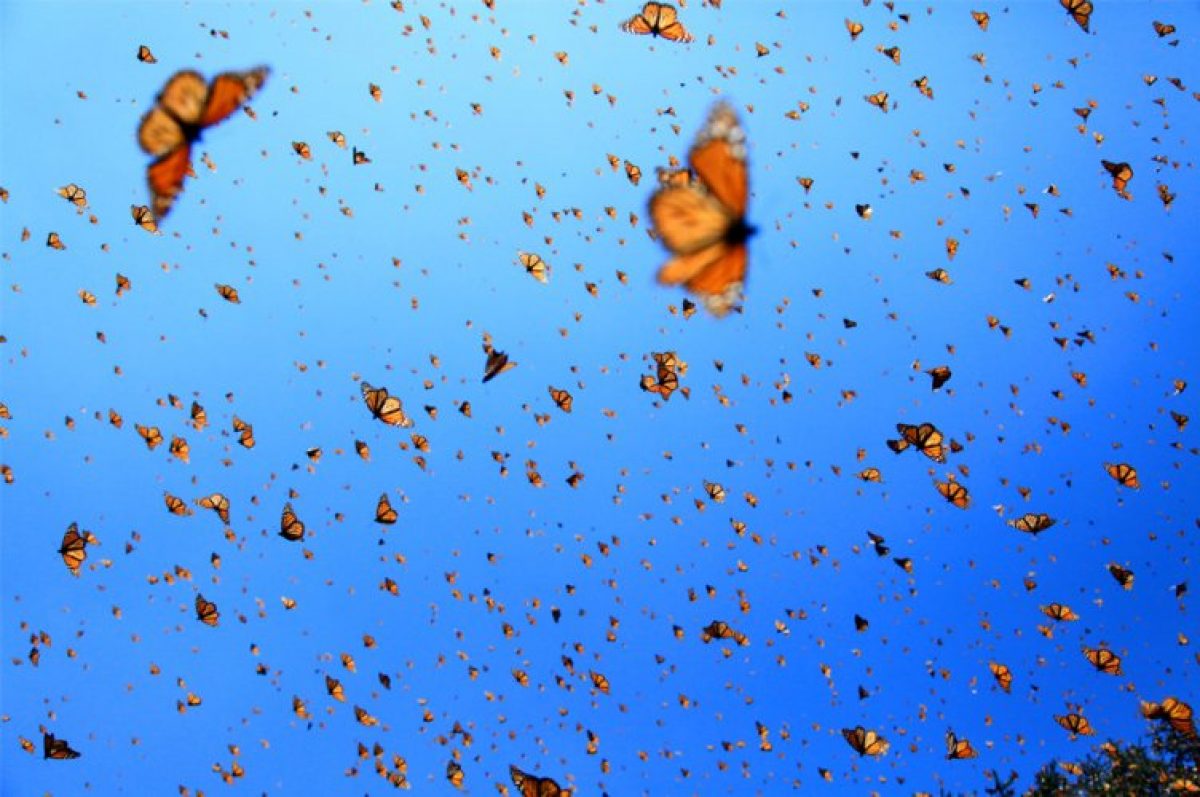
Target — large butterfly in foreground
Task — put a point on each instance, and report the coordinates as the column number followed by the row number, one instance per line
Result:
column 658, row 19
column 702, row 221
column 183, row 110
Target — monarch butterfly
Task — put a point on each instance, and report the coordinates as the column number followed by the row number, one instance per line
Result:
column 364, row 717
column 939, row 376
column 533, row 786
column 633, row 172
column 144, row 218
column 74, row 548
column 535, row 266
column 1165, row 195
column 245, row 432
column 74, row 194
column 665, row 385
column 384, row 513
column 1104, row 660
column 218, row 503
column 302, row 149
column 600, row 681
column 497, row 363
column 981, row 19
column 719, row 629
column 206, row 611
column 703, row 223
column 954, row 492
column 1174, row 711
column 334, row 687
column 865, row 742
column 1124, row 474
column 1032, row 524
column 57, row 749
column 1121, row 174
column 1002, row 674
column 455, row 774
column 1060, row 612
column 562, row 399
column 228, row 293
column 958, row 749
column 1163, row 29
column 669, row 361
column 951, row 248
column 290, row 526
column 145, row 56
column 1121, row 575
column 183, row 110
column 385, row 407
column 891, row 52
column 879, row 99
column 150, row 434
column 926, row 438
column 870, row 475
column 179, row 448
column 337, row 138
column 1080, row 11
column 1075, row 724
column 54, row 241
column 658, row 19
column 855, row 29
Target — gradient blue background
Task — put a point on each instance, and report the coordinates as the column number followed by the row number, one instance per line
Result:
column 323, row 304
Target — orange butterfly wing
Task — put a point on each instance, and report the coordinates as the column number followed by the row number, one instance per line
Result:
column 165, row 178
column 228, row 92
column 720, row 162
column 637, row 24
column 715, row 279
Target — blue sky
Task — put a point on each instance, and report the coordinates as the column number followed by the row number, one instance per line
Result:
column 420, row 267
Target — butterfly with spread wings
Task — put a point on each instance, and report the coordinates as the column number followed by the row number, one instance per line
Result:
column 533, row 786
column 183, row 110
column 658, row 19
column 703, row 222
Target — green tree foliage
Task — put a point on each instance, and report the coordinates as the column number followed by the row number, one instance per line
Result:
column 1166, row 763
